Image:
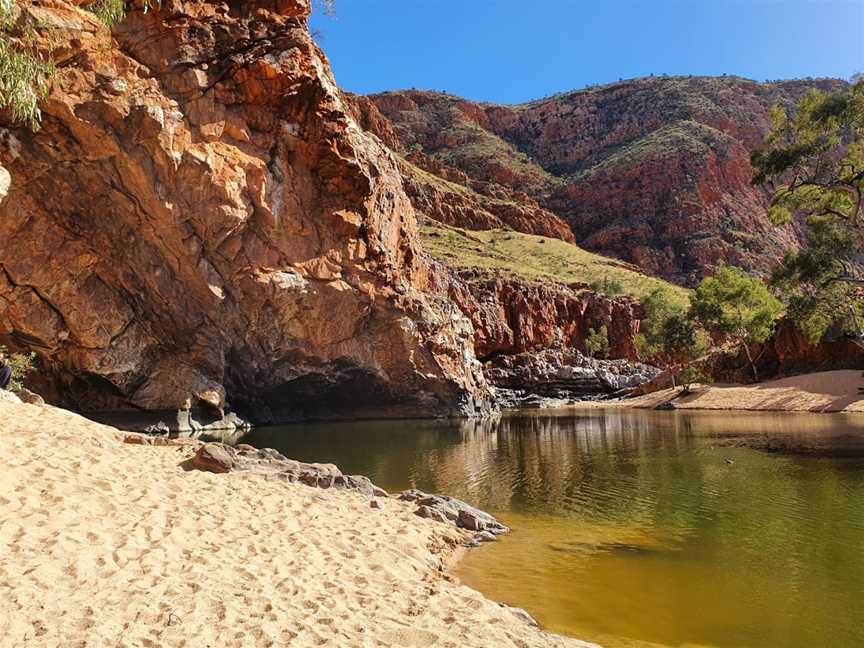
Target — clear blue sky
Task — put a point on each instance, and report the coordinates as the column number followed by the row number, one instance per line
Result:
column 510, row 51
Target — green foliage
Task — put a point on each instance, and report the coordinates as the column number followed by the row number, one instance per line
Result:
column 737, row 305
column 817, row 300
column 536, row 258
column 26, row 71
column 597, row 342
column 607, row 286
column 109, row 12
column 667, row 334
column 817, row 157
column 21, row 365
column 25, row 76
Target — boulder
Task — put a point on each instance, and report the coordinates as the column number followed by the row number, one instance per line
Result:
column 443, row 508
column 213, row 457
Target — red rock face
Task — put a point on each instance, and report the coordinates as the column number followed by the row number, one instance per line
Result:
column 787, row 352
column 200, row 220
column 653, row 171
column 449, row 195
column 512, row 316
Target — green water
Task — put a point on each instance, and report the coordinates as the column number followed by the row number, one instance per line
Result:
column 643, row 528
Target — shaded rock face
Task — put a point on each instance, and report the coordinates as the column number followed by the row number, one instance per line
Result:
column 562, row 374
column 201, row 223
column 512, row 316
column 654, row 171
column 787, row 352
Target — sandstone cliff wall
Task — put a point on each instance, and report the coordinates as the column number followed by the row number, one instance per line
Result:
column 201, row 221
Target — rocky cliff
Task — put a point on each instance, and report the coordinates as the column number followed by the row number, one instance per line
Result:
column 512, row 315
column 654, row 171
column 200, row 222
column 451, row 196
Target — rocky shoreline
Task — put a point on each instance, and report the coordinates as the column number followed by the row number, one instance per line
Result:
column 223, row 458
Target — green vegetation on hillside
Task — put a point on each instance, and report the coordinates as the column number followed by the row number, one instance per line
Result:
column 475, row 144
column 536, row 258
column 666, row 143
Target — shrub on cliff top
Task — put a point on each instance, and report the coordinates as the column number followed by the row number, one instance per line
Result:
column 24, row 81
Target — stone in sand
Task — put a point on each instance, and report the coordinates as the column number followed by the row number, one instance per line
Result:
column 213, row 457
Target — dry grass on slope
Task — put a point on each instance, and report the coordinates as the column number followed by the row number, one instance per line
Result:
column 536, row 258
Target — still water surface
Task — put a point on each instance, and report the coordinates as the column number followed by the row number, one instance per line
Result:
column 636, row 529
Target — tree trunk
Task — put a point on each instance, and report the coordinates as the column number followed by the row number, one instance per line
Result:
column 750, row 358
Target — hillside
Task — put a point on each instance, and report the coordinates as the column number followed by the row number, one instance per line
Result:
column 654, row 171
column 537, row 258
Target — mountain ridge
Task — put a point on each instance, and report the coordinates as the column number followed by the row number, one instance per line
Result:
column 654, row 171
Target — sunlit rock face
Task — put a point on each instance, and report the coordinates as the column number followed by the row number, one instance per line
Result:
column 654, row 171
column 201, row 222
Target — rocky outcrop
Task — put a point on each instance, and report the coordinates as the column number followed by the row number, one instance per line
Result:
column 201, row 223
column 512, row 316
column 655, row 171
column 222, row 458
column 449, row 510
column 562, row 375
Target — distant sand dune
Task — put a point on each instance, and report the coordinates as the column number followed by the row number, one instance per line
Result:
column 108, row 544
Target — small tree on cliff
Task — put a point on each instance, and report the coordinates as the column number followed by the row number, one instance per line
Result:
column 667, row 335
column 738, row 306
column 597, row 342
column 814, row 160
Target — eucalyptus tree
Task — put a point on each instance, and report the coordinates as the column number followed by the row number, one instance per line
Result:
column 813, row 160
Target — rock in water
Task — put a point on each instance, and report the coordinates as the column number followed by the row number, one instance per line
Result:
column 215, row 228
column 450, row 510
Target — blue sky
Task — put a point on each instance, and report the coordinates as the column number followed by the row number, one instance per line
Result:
column 510, row 51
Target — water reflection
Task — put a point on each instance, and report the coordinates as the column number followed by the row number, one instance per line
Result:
column 635, row 527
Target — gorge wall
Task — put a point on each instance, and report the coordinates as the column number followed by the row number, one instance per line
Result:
column 655, row 171
column 200, row 222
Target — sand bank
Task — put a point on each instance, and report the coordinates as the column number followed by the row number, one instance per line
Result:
column 828, row 391
column 103, row 543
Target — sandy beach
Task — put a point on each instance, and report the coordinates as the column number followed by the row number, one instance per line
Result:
column 103, row 543
column 827, row 391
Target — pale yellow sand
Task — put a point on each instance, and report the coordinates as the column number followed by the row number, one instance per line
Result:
column 108, row 544
column 828, row 391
